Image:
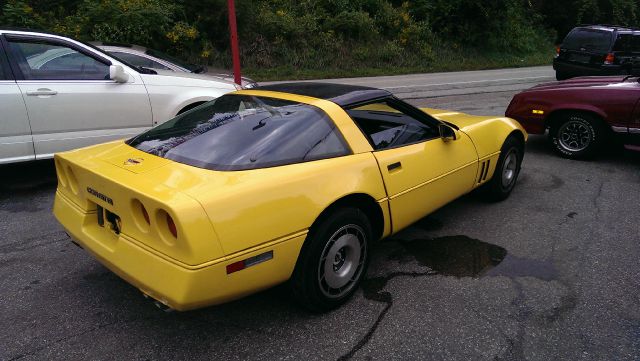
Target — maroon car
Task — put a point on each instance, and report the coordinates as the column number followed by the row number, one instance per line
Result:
column 582, row 114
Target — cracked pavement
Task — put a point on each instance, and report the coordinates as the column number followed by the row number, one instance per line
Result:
column 550, row 273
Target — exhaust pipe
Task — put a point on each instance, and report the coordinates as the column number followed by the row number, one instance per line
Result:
column 158, row 304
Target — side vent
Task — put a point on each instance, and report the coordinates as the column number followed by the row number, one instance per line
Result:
column 484, row 171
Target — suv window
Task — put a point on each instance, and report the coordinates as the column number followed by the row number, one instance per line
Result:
column 43, row 60
column 635, row 42
column 388, row 127
column 138, row 60
column 588, row 39
column 624, row 42
column 238, row 132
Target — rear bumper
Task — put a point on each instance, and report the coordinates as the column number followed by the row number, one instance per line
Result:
column 580, row 70
column 179, row 286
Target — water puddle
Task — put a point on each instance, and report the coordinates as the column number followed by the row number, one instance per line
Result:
column 462, row 256
column 457, row 256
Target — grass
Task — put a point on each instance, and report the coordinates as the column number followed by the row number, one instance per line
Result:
column 443, row 60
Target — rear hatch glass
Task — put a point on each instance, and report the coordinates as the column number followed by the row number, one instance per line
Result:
column 589, row 40
column 240, row 132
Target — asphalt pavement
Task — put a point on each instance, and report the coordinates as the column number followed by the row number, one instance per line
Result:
column 550, row 273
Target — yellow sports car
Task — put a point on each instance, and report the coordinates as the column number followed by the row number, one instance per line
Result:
column 290, row 182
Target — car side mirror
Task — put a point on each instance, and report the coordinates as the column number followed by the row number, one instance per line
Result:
column 446, row 132
column 117, row 74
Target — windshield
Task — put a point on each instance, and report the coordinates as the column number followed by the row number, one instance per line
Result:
column 588, row 39
column 160, row 55
column 238, row 132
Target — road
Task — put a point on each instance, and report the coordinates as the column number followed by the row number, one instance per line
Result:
column 550, row 273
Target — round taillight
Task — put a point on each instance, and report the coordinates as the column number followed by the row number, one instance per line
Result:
column 145, row 214
column 60, row 172
column 166, row 227
column 140, row 215
column 172, row 226
column 73, row 182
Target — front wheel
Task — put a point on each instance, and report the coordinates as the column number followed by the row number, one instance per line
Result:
column 333, row 260
column 577, row 136
column 507, row 171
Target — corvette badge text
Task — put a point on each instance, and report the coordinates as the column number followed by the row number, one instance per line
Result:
column 99, row 195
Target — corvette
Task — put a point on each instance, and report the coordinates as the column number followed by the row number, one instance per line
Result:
column 290, row 182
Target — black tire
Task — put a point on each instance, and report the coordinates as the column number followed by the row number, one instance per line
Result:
column 561, row 76
column 577, row 135
column 345, row 237
column 507, row 170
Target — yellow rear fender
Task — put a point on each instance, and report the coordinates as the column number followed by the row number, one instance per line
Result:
column 254, row 207
column 116, row 201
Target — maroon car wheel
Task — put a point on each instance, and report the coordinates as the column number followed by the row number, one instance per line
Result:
column 577, row 136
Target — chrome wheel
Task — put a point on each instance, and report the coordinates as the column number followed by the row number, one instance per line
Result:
column 509, row 168
column 342, row 261
column 574, row 135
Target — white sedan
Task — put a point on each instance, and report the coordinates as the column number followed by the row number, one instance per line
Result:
column 157, row 60
column 58, row 94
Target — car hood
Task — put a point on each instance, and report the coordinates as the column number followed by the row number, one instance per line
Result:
column 580, row 82
column 174, row 78
column 461, row 120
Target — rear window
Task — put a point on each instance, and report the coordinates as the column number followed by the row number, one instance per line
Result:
column 588, row 39
column 238, row 132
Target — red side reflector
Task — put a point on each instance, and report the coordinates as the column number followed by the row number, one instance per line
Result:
column 609, row 59
column 557, row 50
column 249, row 262
column 235, row 267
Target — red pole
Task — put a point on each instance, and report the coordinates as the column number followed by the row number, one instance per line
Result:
column 235, row 49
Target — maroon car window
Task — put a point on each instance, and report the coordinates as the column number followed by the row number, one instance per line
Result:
column 238, row 132
column 588, row 39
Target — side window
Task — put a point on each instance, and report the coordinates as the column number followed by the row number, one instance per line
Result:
column 4, row 65
column 623, row 43
column 635, row 44
column 138, row 60
column 3, row 72
column 388, row 127
column 42, row 60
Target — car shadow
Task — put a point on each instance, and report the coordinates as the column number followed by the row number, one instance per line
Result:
column 27, row 176
column 614, row 153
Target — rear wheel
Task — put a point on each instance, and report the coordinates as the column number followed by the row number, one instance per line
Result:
column 507, row 171
column 333, row 260
column 577, row 135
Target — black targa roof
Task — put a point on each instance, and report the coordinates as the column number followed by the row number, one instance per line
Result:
column 341, row 94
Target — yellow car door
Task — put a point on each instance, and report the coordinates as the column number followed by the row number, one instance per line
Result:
column 422, row 171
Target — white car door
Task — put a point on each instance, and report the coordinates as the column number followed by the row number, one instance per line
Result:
column 70, row 99
column 16, row 143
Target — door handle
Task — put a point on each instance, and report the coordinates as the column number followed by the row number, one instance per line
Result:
column 42, row 91
column 393, row 166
